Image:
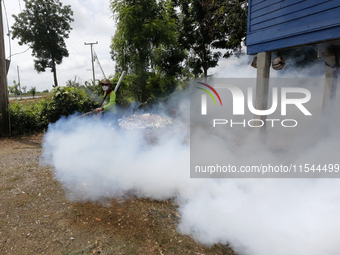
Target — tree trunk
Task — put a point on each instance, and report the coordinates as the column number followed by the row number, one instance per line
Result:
column 54, row 70
column 205, row 65
column 55, row 78
column 205, row 72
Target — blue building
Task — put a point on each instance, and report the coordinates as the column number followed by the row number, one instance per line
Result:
column 275, row 25
column 279, row 24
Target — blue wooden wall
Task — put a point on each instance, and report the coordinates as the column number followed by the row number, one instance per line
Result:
column 279, row 24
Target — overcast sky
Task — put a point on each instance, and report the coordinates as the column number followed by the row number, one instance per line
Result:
column 92, row 22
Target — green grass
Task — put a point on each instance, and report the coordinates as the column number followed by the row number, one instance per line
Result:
column 28, row 94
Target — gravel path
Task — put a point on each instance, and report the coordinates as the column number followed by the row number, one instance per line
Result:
column 35, row 217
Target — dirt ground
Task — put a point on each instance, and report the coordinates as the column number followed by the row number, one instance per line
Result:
column 36, row 218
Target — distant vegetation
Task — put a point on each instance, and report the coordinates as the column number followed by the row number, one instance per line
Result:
column 14, row 91
column 62, row 101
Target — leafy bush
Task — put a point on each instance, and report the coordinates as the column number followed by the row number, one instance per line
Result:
column 36, row 116
column 23, row 118
column 66, row 101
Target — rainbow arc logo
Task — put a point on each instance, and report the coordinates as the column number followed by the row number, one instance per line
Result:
column 204, row 97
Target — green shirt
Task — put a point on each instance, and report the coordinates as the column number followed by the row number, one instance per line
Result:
column 110, row 105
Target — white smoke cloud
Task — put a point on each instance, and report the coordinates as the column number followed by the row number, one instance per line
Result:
column 254, row 216
column 239, row 67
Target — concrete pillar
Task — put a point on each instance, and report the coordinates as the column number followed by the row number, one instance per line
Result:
column 5, row 127
column 331, row 81
column 262, row 83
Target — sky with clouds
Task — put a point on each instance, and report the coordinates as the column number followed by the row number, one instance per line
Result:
column 93, row 22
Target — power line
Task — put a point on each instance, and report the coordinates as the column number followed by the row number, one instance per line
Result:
column 9, row 33
column 20, row 52
column 9, row 36
column 70, row 42
column 74, row 29
column 96, row 58
column 89, row 19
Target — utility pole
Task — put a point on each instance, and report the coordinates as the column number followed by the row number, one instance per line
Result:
column 5, row 127
column 91, row 44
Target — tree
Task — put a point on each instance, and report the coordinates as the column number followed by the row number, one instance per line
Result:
column 33, row 91
column 16, row 89
column 146, row 29
column 208, row 25
column 10, row 89
column 73, row 83
column 231, row 24
column 43, row 25
column 24, row 88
